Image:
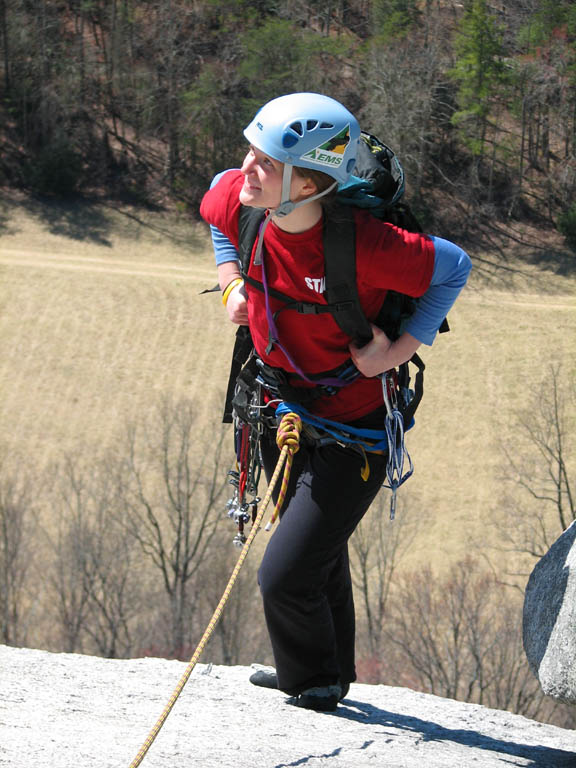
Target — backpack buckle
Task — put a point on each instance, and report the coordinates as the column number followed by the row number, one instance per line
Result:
column 307, row 308
column 342, row 306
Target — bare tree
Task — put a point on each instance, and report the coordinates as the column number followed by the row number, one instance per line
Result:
column 171, row 481
column 94, row 575
column 116, row 594
column 460, row 637
column 539, row 502
column 69, row 541
column 15, row 553
column 402, row 108
column 240, row 636
column 377, row 547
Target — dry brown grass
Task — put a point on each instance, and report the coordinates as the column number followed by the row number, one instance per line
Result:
column 101, row 314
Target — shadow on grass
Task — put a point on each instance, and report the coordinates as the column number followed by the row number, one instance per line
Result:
column 545, row 249
column 77, row 219
column 559, row 262
column 97, row 221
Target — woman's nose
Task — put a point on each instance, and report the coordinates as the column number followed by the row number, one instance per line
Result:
column 248, row 164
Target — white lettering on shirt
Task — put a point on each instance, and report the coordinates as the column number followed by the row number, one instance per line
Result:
column 317, row 284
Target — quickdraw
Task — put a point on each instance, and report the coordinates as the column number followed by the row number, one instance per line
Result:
column 394, row 425
column 242, row 507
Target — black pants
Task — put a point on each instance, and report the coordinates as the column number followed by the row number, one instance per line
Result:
column 304, row 576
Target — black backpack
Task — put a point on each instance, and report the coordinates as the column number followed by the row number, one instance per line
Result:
column 379, row 190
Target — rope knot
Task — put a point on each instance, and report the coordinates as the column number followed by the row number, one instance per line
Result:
column 289, row 432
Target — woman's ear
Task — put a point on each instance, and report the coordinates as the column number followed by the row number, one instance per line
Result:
column 308, row 187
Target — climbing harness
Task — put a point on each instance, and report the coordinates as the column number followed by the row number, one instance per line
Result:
column 288, row 439
column 389, row 441
column 400, row 403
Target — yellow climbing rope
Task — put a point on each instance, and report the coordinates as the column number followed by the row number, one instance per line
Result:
column 288, row 434
column 287, row 439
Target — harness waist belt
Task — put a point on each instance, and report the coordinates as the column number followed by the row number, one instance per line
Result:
column 347, row 372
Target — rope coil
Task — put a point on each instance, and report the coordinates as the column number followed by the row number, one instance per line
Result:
column 288, row 436
column 288, row 441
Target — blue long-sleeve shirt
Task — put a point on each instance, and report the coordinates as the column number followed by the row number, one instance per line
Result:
column 452, row 266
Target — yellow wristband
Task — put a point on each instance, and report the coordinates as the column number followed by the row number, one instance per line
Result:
column 229, row 288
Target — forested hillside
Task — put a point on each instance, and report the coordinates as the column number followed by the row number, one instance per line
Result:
column 146, row 100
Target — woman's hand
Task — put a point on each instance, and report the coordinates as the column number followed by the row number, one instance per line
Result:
column 381, row 354
column 237, row 305
column 233, row 292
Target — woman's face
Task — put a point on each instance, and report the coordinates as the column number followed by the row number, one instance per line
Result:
column 263, row 181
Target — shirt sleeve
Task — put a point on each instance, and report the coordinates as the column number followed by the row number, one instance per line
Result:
column 390, row 258
column 219, row 208
column 452, row 266
column 224, row 250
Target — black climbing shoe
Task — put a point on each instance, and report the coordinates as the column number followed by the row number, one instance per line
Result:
column 265, row 678
column 321, row 698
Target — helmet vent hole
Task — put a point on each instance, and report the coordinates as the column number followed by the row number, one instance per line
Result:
column 327, row 125
column 297, row 128
column 311, row 124
column 289, row 140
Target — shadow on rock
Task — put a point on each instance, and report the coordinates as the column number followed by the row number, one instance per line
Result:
column 541, row 757
column 303, row 760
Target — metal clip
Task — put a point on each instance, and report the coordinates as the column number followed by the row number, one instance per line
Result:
column 393, row 503
column 386, row 394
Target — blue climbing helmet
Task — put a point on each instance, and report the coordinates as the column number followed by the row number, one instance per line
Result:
column 307, row 130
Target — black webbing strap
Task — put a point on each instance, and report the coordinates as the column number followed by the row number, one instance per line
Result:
column 341, row 284
column 409, row 411
column 302, row 307
column 242, row 348
column 249, row 221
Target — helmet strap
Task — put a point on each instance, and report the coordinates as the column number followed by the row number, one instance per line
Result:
column 287, row 206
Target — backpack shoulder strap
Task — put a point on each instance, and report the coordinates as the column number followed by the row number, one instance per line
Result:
column 241, row 352
column 249, row 220
column 248, row 224
column 340, row 270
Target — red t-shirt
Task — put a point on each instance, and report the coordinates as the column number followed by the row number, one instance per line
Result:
column 387, row 258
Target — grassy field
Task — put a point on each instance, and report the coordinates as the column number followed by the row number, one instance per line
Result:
column 102, row 314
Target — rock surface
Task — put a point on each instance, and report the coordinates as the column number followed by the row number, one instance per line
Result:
column 66, row 710
column 549, row 625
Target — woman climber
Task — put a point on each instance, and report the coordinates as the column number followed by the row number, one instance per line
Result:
column 302, row 148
